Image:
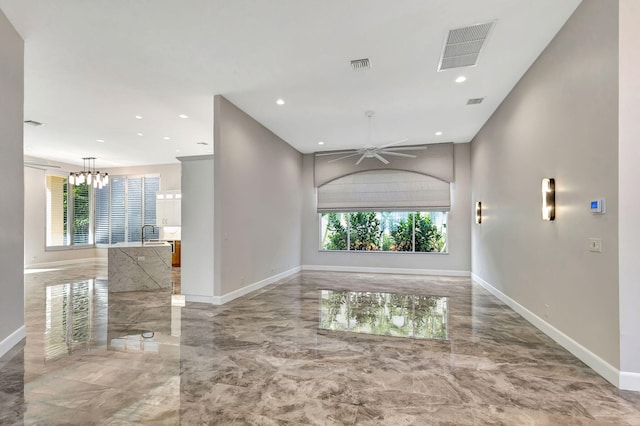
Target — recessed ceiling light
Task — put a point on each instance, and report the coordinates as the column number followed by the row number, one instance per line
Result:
column 166, row 138
column 140, row 134
column 280, row 101
column 139, row 117
column 461, row 79
column 320, row 143
column 99, row 140
column 177, row 150
column 438, row 133
column 183, row 116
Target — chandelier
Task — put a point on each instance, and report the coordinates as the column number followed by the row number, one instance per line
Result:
column 89, row 175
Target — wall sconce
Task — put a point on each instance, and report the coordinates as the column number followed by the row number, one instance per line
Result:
column 548, row 199
column 478, row 212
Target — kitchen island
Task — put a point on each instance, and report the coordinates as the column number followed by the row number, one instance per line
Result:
column 136, row 266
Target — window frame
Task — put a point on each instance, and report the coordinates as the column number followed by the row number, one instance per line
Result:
column 413, row 233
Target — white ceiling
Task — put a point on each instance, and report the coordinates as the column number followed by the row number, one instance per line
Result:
column 91, row 66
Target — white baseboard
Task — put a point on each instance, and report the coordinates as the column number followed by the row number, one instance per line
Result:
column 629, row 381
column 374, row 270
column 225, row 298
column 72, row 262
column 13, row 339
column 199, row 299
column 601, row 366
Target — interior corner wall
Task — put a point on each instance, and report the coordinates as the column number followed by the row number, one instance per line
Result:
column 560, row 121
column 11, row 192
column 629, row 177
column 257, row 200
column 457, row 261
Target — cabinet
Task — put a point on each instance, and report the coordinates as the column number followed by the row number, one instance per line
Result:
column 169, row 208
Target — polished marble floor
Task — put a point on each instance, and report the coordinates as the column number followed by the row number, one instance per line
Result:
column 316, row 348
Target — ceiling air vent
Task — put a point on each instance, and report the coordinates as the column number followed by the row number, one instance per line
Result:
column 33, row 123
column 361, row 64
column 463, row 46
column 475, row 101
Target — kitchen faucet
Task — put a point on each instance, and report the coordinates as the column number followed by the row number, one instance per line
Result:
column 153, row 229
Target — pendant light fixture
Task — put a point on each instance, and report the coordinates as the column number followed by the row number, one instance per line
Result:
column 89, row 175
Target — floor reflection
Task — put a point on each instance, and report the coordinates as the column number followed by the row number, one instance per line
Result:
column 75, row 317
column 386, row 314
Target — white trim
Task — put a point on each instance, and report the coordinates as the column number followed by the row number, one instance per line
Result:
column 199, row 299
column 602, row 367
column 13, row 339
column 221, row 300
column 629, row 381
column 72, row 262
column 373, row 270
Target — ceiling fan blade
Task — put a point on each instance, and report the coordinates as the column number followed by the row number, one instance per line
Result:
column 360, row 159
column 410, row 148
column 398, row 154
column 379, row 157
column 393, row 143
column 322, row 154
column 342, row 158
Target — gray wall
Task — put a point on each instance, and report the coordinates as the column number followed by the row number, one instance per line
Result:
column 257, row 200
column 629, row 161
column 458, row 259
column 11, row 173
column 560, row 121
column 196, row 265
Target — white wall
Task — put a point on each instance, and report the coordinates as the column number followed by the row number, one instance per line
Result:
column 11, row 192
column 457, row 261
column 35, row 202
column 629, row 178
column 560, row 121
column 257, row 200
column 196, row 266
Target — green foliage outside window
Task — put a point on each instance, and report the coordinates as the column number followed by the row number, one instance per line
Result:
column 379, row 231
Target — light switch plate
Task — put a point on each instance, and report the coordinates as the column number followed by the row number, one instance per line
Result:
column 595, row 245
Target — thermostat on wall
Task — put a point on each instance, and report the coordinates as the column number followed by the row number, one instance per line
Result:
column 597, row 206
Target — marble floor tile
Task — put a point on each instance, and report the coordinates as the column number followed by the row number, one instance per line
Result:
column 283, row 356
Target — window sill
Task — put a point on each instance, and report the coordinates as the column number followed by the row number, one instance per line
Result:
column 65, row 248
column 385, row 252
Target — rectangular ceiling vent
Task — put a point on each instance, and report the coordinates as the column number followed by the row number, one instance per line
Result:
column 475, row 101
column 361, row 64
column 463, row 45
column 33, row 123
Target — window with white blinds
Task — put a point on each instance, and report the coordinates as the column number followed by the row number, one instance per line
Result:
column 123, row 206
column 82, row 215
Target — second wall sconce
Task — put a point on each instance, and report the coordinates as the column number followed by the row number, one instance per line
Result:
column 478, row 212
column 548, row 199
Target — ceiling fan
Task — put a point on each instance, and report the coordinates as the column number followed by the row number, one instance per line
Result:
column 371, row 151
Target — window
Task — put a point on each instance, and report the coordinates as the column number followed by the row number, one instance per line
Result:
column 80, row 215
column 123, row 206
column 384, row 231
column 69, row 218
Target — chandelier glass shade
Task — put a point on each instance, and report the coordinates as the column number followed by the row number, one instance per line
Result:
column 89, row 175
